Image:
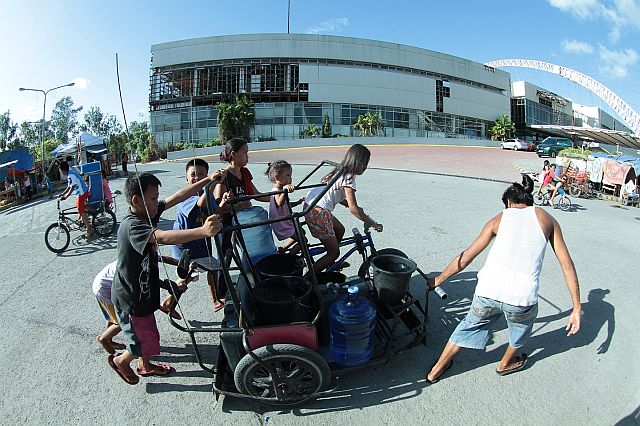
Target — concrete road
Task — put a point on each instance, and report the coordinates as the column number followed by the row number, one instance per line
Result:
column 54, row 371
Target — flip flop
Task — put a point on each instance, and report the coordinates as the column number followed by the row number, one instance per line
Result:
column 434, row 381
column 118, row 346
column 156, row 370
column 130, row 379
column 218, row 305
column 521, row 358
column 174, row 314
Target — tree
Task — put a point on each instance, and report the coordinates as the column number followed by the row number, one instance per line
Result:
column 369, row 124
column 326, row 126
column 100, row 124
column 65, row 119
column 49, row 145
column 235, row 119
column 30, row 134
column 312, row 131
column 117, row 144
column 8, row 130
column 502, row 128
column 140, row 137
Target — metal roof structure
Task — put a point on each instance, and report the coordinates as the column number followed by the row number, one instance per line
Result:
column 606, row 136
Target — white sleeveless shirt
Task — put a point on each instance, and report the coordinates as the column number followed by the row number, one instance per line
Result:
column 511, row 273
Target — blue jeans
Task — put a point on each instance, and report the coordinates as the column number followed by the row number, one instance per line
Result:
column 473, row 331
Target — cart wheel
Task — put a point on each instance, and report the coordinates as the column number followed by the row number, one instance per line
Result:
column 57, row 237
column 575, row 190
column 104, row 223
column 538, row 199
column 364, row 268
column 564, row 203
column 300, row 373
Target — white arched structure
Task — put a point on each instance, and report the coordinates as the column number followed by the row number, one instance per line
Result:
column 631, row 117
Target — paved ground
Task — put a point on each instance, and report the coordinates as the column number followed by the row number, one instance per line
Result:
column 54, row 372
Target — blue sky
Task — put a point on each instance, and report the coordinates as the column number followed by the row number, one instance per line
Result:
column 47, row 43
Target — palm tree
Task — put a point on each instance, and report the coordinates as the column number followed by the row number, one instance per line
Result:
column 368, row 124
column 502, row 128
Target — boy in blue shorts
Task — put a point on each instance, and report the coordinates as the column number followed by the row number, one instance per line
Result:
column 190, row 215
column 136, row 285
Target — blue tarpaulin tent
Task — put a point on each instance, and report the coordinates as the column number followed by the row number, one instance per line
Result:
column 24, row 160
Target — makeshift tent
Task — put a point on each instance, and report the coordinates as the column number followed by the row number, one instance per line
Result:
column 15, row 162
column 88, row 143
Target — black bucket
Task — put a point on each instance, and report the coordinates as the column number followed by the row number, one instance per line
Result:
column 280, row 264
column 283, row 300
column 391, row 276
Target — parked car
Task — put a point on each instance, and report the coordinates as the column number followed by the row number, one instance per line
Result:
column 516, row 145
column 551, row 146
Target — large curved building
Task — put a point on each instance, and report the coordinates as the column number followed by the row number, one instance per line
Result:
column 294, row 80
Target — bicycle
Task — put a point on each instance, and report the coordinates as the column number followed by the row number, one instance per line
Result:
column 58, row 235
column 542, row 198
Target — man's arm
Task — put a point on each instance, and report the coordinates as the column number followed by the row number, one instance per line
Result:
column 465, row 258
column 570, row 276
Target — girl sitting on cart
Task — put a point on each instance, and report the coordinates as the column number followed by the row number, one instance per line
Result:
column 321, row 221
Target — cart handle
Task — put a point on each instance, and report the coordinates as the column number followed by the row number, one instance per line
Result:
column 439, row 291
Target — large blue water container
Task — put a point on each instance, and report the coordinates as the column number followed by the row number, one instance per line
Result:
column 352, row 324
column 258, row 240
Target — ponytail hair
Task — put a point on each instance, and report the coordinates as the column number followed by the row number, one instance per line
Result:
column 231, row 146
column 519, row 193
column 276, row 167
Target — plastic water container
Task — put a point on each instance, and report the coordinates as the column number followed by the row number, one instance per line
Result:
column 352, row 324
column 258, row 240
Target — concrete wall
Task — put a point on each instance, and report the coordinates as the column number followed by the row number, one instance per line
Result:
column 315, row 142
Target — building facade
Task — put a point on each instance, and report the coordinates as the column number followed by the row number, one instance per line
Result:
column 295, row 80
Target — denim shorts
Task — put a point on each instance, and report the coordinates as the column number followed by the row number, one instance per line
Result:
column 473, row 331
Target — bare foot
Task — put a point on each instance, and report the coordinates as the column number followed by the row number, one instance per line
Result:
column 106, row 344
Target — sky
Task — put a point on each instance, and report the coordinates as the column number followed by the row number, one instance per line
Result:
column 50, row 43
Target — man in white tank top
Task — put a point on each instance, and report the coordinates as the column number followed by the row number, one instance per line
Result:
column 509, row 280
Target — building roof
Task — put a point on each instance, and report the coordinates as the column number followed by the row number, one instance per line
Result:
column 605, row 136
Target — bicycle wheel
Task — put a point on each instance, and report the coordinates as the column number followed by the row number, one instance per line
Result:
column 564, row 203
column 57, row 237
column 104, row 223
column 538, row 199
column 575, row 190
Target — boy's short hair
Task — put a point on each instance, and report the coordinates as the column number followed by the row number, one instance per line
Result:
column 64, row 166
column 136, row 181
column 197, row 162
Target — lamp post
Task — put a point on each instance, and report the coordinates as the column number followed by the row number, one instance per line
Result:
column 44, row 111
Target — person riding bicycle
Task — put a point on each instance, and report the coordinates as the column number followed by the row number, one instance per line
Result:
column 547, row 177
column 557, row 186
column 76, row 184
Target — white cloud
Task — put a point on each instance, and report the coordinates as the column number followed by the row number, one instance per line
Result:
column 619, row 14
column 576, row 46
column 81, row 83
column 616, row 63
column 332, row 25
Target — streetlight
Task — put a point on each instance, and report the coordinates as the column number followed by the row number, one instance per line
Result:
column 44, row 111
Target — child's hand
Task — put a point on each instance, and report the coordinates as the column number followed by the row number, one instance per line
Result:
column 377, row 227
column 193, row 265
column 218, row 175
column 211, row 226
column 289, row 188
column 225, row 199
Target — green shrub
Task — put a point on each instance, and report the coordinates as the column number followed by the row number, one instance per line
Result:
column 575, row 153
column 266, row 138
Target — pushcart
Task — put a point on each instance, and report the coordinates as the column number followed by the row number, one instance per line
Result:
column 288, row 363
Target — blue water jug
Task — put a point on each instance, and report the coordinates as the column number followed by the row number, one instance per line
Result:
column 258, row 240
column 352, row 324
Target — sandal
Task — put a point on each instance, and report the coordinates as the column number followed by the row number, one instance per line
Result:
column 129, row 378
column 155, row 370
column 436, row 380
column 519, row 362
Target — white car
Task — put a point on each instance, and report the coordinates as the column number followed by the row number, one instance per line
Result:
column 515, row 144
